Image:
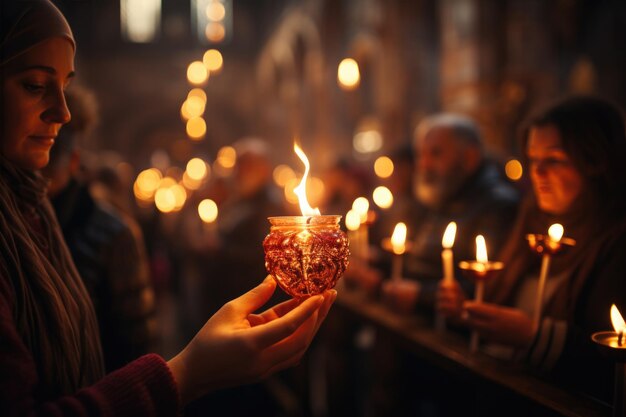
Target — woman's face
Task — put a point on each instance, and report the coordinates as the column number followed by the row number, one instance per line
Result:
column 556, row 181
column 33, row 102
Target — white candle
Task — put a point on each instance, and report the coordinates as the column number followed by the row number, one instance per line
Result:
column 447, row 257
column 555, row 233
column 398, row 239
column 352, row 224
column 361, row 206
column 482, row 259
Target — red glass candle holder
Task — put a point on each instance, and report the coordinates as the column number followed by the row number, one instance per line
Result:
column 306, row 254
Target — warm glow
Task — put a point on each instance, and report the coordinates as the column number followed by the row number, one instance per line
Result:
column 196, row 128
column 282, row 175
column 617, row 320
column 148, row 180
column 189, row 183
column 448, row 236
column 290, row 195
column 353, row 220
column 167, row 182
column 215, row 11
column 556, row 232
column 361, row 205
column 514, row 170
column 196, row 169
column 207, row 209
column 367, row 141
column 398, row 238
column 300, row 190
column 197, row 73
column 348, row 74
column 315, row 190
column 140, row 19
column 382, row 197
column 215, row 32
column 165, row 200
column 481, row 249
column 197, row 92
column 184, row 113
column 383, row 167
column 194, row 106
column 227, row 157
column 213, row 60
column 180, row 196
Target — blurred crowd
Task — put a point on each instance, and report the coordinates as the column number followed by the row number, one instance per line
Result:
column 128, row 251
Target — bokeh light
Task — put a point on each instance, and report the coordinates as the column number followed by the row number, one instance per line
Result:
column 361, row 205
column 383, row 197
column 283, row 174
column 514, row 170
column 165, row 200
column 196, row 128
column 195, row 106
column 227, row 157
column 180, row 196
column 196, row 169
column 213, row 60
column 215, row 32
column 215, row 11
column 383, row 167
column 207, row 209
column 197, row 73
column 348, row 74
column 197, row 92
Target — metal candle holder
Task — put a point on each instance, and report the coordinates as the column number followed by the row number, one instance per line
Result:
column 479, row 272
column 546, row 247
column 613, row 346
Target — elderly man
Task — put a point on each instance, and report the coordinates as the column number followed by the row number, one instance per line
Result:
column 454, row 181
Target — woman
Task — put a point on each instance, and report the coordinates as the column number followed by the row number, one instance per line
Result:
column 50, row 357
column 576, row 154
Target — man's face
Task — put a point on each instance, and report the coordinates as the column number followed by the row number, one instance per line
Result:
column 440, row 167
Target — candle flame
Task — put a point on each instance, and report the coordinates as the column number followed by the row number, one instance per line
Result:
column 361, row 205
column 556, row 232
column 448, row 236
column 617, row 320
column 481, row 249
column 300, row 190
column 398, row 238
column 353, row 220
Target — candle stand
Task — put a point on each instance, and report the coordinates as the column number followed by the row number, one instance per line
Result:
column 479, row 272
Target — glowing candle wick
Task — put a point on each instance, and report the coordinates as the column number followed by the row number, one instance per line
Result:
column 620, row 337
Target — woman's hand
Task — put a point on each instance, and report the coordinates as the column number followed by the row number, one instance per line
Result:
column 450, row 299
column 236, row 346
column 506, row 325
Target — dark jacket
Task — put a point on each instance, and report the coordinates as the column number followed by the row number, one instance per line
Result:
column 486, row 204
column 108, row 251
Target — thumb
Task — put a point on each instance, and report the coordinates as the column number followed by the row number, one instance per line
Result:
column 256, row 297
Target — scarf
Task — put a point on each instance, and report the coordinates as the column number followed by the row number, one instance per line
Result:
column 592, row 226
column 52, row 310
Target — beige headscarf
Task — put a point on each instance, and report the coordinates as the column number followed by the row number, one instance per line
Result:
column 26, row 23
column 52, row 310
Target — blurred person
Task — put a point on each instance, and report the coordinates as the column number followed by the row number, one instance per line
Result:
column 454, row 181
column 51, row 361
column 575, row 152
column 106, row 246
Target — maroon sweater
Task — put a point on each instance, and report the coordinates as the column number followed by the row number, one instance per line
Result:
column 145, row 387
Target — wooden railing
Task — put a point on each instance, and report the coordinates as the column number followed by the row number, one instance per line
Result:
column 449, row 351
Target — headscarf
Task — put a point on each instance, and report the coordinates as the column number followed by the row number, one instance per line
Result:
column 26, row 23
column 51, row 308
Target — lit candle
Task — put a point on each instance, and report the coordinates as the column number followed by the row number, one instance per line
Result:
column 207, row 210
column 447, row 257
column 613, row 346
column 481, row 266
column 353, row 223
column 555, row 233
column 296, row 243
column 618, row 324
column 398, row 239
column 361, row 205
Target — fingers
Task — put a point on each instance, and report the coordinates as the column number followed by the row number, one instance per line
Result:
column 273, row 313
column 329, row 298
column 256, row 297
column 282, row 327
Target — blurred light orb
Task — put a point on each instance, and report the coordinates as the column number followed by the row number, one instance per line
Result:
column 189, row 183
column 148, row 180
column 283, row 174
column 196, row 169
column 213, row 60
column 196, row 128
column 290, row 194
column 195, row 106
column 207, row 209
column 165, row 200
column 215, row 11
column 197, row 92
column 367, row 141
column 514, row 170
column 383, row 167
column 383, row 197
column 180, row 196
column 197, row 73
column 361, row 205
column 167, row 182
column 215, row 32
column 315, row 191
column 227, row 157
column 348, row 74
column 353, row 220
column 184, row 113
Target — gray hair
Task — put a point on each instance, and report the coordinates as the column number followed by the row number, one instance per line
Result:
column 464, row 128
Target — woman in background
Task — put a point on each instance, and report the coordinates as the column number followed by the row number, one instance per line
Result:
column 576, row 157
